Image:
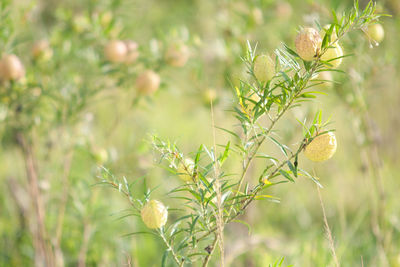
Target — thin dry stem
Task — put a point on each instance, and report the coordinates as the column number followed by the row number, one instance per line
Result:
column 43, row 251
column 328, row 230
column 220, row 209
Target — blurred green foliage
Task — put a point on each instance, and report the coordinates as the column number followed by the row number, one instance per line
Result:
column 94, row 108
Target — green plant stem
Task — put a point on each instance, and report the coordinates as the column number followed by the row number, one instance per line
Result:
column 212, row 249
column 170, row 248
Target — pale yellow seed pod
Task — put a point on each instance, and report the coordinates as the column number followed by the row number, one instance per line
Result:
column 132, row 51
column 42, row 50
column 11, row 68
column 257, row 16
column 326, row 78
column 116, row 51
column 264, row 68
column 308, row 43
column 376, row 32
column 106, row 18
column 251, row 105
column 209, row 95
column 148, row 82
column 334, row 51
column 321, row 147
column 154, row 214
column 326, row 28
column 100, row 155
column 177, row 54
column 185, row 174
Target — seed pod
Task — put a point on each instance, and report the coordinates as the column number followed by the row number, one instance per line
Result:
column 326, row 79
column 209, row 95
column 321, row 147
column 132, row 51
column 11, row 68
column 42, row 50
column 148, row 82
column 283, row 10
column 177, row 54
column 257, row 16
column 185, row 174
column 116, row 51
column 154, row 214
column 334, row 51
column 308, row 43
column 264, row 68
column 376, row 32
column 106, row 18
column 325, row 29
column 100, row 156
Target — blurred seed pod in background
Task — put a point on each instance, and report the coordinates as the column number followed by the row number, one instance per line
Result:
column 41, row 50
column 177, row 54
column 11, row 68
column 132, row 51
column 116, row 51
column 209, row 95
column 147, row 82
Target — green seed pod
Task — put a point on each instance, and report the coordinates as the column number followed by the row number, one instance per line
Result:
column 264, row 68
column 154, row 214
column 323, row 32
column 185, row 174
column 376, row 32
column 321, row 147
column 308, row 43
column 100, row 156
column 334, row 51
column 148, row 82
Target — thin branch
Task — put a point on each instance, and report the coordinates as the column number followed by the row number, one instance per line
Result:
column 328, row 230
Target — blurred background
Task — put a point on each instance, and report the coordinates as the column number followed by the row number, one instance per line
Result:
column 78, row 130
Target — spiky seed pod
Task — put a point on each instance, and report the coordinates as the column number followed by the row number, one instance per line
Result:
column 154, row 214
column 42, row 50
column 132, row 51
column 376, row 32
column 116, row 51
column 11, row 68
column 264, row 68
column 308, row 43
column 334, row 51
column 321, row 147
column 185, row 174
column 148, row 82
column 177, row 54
